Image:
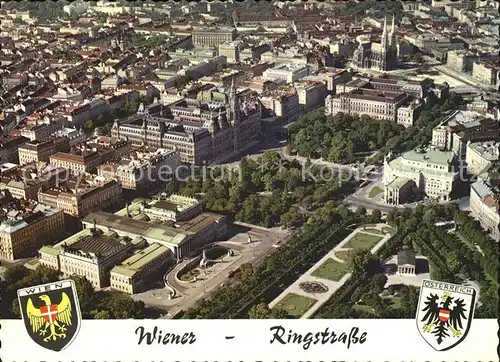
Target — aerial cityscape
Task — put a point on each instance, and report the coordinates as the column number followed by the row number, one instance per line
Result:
column 250, row 159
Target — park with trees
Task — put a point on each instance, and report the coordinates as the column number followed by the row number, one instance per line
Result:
column 269, row 191
column 346, row 138
column 466, row 254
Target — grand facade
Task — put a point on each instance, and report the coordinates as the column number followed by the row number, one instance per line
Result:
column 201, row 132
column 381, row 56
column 431, row 173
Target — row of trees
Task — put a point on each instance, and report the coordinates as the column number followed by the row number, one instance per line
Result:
column 343, row 137
column 270, row 191
column 94, row 305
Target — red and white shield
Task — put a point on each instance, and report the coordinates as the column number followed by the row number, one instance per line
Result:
column 444, row 315
column 49, row 313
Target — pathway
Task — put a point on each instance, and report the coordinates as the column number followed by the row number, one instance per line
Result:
column 330, row 284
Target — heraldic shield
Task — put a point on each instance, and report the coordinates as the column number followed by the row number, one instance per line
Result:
column 444, row 313
column 51, row 313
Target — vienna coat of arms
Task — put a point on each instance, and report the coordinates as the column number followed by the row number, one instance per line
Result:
column 51, row 313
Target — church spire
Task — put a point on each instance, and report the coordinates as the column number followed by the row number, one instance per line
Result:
column 384, row 34
column 233, row 103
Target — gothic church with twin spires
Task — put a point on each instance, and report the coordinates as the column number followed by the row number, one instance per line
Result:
column 381, row 56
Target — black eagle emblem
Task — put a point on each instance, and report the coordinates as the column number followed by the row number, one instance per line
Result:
column 441, row 320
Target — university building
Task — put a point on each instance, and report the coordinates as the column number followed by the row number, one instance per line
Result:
column 373, row 103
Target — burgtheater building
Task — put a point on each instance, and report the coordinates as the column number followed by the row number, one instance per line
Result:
column 200, row 131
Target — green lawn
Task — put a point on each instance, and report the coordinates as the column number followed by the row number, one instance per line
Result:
column 374, row 192
column 342, row 254
column 295, row 305
column 330, row 269
column 363, row 241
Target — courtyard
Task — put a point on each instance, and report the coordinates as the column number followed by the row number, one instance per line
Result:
column 295, row 305
column 188, row 291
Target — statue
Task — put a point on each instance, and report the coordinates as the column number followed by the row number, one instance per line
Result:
column 204, row 259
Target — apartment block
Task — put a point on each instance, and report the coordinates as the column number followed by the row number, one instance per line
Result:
column 461, row 60
column 9, row 148
column 142, row 170
column 311, row 94
column 460, row 127
column 24, row 182
column 480, row 156
column 24, row 231
column 40, row 151
column 486, row 73
column 77, row 162
column 282, row 102
column 81, row 196
column 484, row 207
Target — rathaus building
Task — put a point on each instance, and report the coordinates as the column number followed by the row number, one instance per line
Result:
column 381, row 56
column 201, row 132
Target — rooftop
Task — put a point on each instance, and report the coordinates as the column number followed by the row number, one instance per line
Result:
column 488, row 150
column 136, row 262
column 430, row 156
column 406, row 257
column 157, row 232
column 99, row 244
